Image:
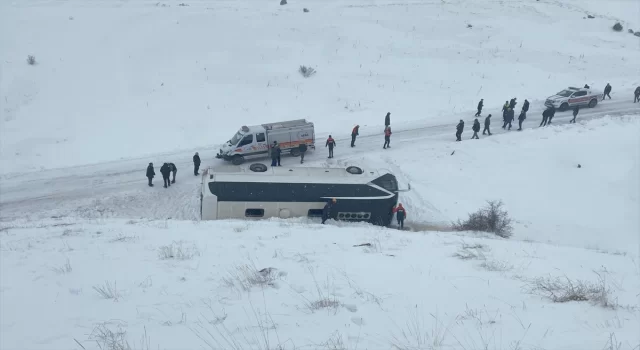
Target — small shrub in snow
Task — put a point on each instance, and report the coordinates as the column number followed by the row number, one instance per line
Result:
column 246, row 276
column 417, row 335
column 590, row 16
column 496, row 265
column 283, row 2
column 106, row 339
column 108, row 291
column 637, row 34
column 563, row 289
column 182, row 4
column 31, row 60
column 492, row 218
column 306, row 71
column 177, row 250
column 617, row 27
column 66, row 268
column 305, row 10
column 630, row 31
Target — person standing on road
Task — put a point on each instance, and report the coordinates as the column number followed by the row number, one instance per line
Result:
column 525, row 106
column 551, row 115
column 476, row 129
column 303, row 149
column 509, row 118
column 487, row 123
column 607, row 91
column 401, row 214
column 387, row 137
column 459, row 130
column 174, row 171
column 354, row 133
column 326, row 211
column 545, row 116
column 196, row 164
column 275, row 154
column 636, row 95
column 480, row 105
column 575, row 114
column 387, row 120
column 505, row 107
column 150, row 174
column 166, row 172
column 330, row 143
column 521, row 118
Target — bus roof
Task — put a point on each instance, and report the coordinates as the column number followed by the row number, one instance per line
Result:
column 291, row 174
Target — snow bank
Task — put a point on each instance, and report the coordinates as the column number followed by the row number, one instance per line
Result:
column 188, row 285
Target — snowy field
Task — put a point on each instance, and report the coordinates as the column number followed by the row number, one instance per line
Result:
column 122, row 79
column 92, row 258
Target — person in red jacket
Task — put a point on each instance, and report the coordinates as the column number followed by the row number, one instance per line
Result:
column 387, row 137
column 330, row 143
column 401, row 214
column 354, row 133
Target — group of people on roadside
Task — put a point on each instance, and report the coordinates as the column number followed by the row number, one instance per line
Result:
column 168, row 169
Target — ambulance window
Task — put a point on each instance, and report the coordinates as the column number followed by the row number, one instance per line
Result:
column 260, row 137
column 246, row 140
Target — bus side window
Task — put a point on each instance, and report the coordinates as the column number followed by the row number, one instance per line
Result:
column 260, row 137
column 254, row 213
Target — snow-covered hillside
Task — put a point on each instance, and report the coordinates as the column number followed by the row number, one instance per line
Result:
column 131, row 78
column 92, row 258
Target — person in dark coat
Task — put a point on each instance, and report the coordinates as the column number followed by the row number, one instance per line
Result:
column 387, row 137
column 545, row 116
column 521, row 118
column 326, row 211
column 476, row 129
column 505, row 107
column 552, row 114
column 525, row 106
column 607, row 91
column 354, row 133
column 275, row 154
column 459, row 130
column 166, row 173
column 480, row 105
column 636, row 95
column 174, row 171
column 387, row 119
column 576, row 109
column 487, row 123
column 150, row 174
column 196, row 164
column 303, row 149
column 513, row 103
column 509, row 118
column 401, row 214
column 331, row 143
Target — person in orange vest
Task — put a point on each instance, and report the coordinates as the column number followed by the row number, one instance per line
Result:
column 330, row 143
column 387, row 137
column 354, row 133
column 401, row 214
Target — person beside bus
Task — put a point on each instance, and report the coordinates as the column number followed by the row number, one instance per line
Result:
column 401, row 214
column 303, row 148
column 275, row 154
column 326, row 211
column 174, row 171
column 331, row 143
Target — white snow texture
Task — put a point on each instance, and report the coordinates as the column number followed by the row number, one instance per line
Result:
column 93, row 258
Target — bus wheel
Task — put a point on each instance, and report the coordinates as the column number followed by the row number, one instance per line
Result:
column 237, row 160
column 258, row 167
column 295, row 152
column 354, row 170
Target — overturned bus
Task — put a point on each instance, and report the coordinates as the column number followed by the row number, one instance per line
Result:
column 258, row 192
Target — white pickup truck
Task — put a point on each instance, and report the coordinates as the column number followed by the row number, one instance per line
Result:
column 572, row 97
column 255, row 141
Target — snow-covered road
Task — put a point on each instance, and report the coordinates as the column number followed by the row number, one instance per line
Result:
column 118, row 188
